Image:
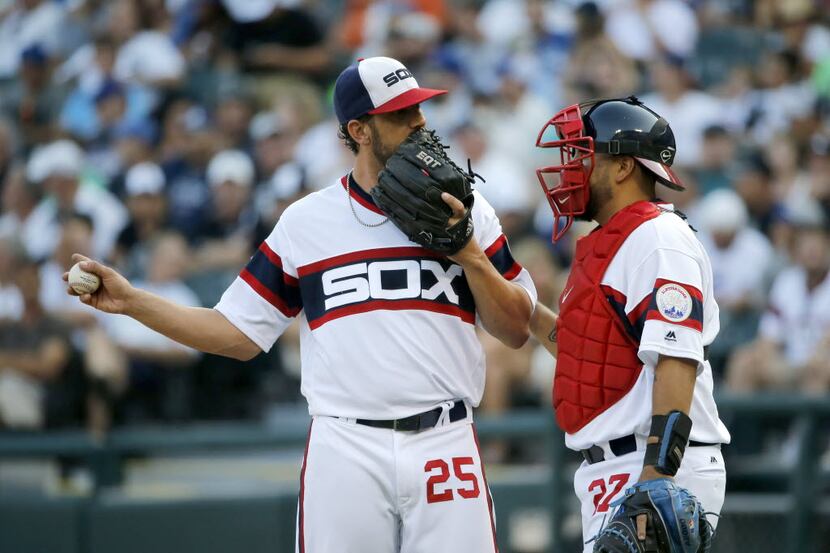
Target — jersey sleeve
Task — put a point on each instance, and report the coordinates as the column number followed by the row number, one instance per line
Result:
column 491, row 238
column 666, row 302
column 265, row 297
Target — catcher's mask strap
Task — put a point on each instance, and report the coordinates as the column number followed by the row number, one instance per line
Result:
column 667, row 442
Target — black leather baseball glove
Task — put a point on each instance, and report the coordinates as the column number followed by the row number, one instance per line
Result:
column 656, row 516
column 409, row 191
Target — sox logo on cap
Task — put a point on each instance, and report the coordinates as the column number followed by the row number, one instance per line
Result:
column 377, row 85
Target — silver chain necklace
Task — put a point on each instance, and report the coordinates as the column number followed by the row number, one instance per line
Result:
column 351, row 205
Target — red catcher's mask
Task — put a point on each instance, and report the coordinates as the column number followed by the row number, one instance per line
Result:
column 566, row 185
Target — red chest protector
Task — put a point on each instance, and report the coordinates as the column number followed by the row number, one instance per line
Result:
column 597, row 362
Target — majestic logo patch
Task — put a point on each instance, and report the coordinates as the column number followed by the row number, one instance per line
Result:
column 666, row 155
column 670, row 336
column 674, row 302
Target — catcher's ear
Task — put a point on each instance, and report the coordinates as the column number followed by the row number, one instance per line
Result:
column 359, row 131
column 626, row 167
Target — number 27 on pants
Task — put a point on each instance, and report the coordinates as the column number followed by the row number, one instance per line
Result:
column 439, row 471
column 604, row 493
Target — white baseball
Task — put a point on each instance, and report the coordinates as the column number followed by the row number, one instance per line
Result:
column 82, row 281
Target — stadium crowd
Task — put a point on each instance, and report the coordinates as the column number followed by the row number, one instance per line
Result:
column 167, row 136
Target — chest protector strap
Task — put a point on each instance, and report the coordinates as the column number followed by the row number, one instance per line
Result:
column 597, row 362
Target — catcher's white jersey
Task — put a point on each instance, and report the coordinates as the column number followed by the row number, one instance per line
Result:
column 387, row 327
column 660, row 281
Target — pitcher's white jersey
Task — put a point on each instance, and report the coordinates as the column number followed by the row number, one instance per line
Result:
column 387, row 327
column 660, row 283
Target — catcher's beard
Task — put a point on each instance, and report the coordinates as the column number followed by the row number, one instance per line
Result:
column 600, row 194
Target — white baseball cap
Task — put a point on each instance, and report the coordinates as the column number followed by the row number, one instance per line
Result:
column 248, row 11
column 62, row 158
column 266, row 124
column 230, row 165
column 723, row 211
column 377, row 85
column 144, row 178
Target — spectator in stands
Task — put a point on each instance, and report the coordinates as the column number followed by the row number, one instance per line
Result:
column 26, row 24
column 596, row 67
column 232, row 118
column 273, row 144
column 11, row 302
column 818, row 170
column 158, row 386
column 717, row 152
column 521, row 378
column 690, row 111
column 642, row 29
column 92, row 68
column 58, row 168
column 9, row 148
column 147, row 205
column 145, row 55
column 277, row 35
column 76, row 234
column 506, row 186
column 753, row 182
column 225, row 239
column 469, row 54
column 33, row 102
column 519, row 101
column 34, row 353
column 412, row 38
column 734, row 246
column 134, row 143
column 187, row 145
column 111, row 113
column 18, row 200
column 784, row 95
column 787, row 353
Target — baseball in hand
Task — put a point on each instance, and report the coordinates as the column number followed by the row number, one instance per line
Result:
column 82, row 281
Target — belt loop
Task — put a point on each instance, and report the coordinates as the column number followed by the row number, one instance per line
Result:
column 444, row 417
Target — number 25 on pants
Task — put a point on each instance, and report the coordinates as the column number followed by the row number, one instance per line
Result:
column 604, row 493
column 439, row 472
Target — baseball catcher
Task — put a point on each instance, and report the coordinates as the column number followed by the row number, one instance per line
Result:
column 633, row 384
column 409, row 191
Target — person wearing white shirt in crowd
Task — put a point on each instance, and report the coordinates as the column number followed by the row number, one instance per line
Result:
column 228, row 231
column 643, row 28
column 144, row 187
column 795, row 329
column 57, row 167
column 76, row 232
column 145, row 56
column 157, row 383
column 690, row 111
column 512, row 203
column 742, row 260
column 31, row 22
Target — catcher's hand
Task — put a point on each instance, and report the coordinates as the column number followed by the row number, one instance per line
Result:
column 656, row 516
column 409, row 191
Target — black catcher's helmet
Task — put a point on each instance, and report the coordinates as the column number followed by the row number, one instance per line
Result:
column 619, row 126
